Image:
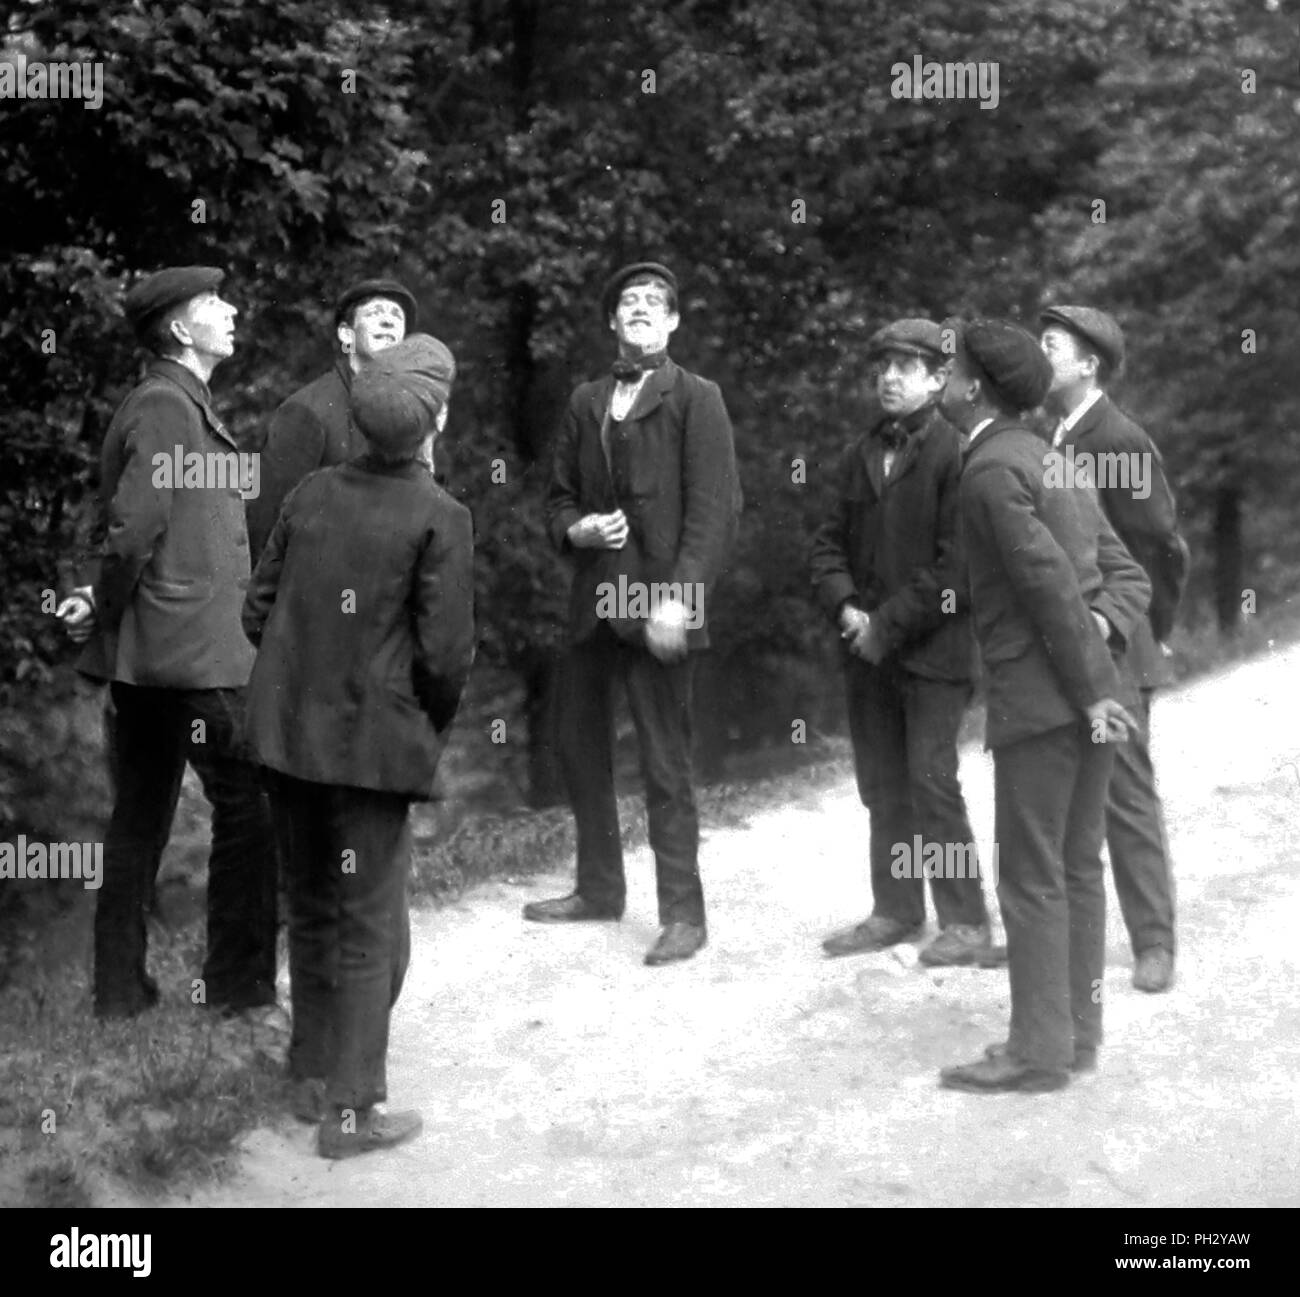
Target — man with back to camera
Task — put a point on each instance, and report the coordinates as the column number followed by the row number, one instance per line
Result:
column 1085, row 347
column 1054, row 595
column 644, row 493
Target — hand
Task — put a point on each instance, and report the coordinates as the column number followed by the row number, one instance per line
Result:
column 665, row 632
column 599, row 531
column 77, row 613
column 1110, row 722
column 855, row 626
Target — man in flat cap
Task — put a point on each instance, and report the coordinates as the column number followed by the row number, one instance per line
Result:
column 1054, row 594
column 362, row 607
column 312, row 428
column 886, row 569
column 1086, row 349
column 645, row 498
column 162, row 620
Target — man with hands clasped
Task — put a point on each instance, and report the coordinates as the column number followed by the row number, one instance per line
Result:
column 644, row 498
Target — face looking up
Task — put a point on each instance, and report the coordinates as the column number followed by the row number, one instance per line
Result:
column 643, row 319
column 377, row 324
column 1073, row 365
column 904, row 382
column 207, row 325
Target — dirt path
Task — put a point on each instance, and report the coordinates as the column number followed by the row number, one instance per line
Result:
column 554, row 1069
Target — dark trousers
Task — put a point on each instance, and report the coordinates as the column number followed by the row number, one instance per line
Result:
column 1139, row 849
column 1050, row 797
column 904, row 732
column 154, row 733
column 660, row 699
column 348, row 855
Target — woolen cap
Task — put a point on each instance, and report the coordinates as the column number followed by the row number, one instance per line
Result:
column 365, row 289
column 1099, row 330
column 614, row 284
column 148, row 299
column 1009, row 360
column 913, row 336
column 397, row 397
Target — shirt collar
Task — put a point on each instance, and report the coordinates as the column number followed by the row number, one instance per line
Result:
column 976, row 430
column 1081, row 409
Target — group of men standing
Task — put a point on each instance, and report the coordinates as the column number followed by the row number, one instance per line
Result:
column 345, row 596
column 949, row 524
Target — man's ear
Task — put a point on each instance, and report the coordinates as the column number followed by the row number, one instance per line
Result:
column 347, row 338
column 673, row 321
column 180, row 330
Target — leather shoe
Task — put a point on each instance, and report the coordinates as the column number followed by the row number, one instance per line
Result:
column 1003, row 1074
column 677, row 941
column 373, row 1130
column 1085, row 1056
column 957, row 945
column 874, row 933
column 1154, row 970
column 568, row 909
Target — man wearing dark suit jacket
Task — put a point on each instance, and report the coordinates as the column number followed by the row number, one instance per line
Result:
column 313, row 428
column 163, row 620
column 1054, row 594
column 362, row 607
column 644, row 496
column 1086, row 350
column 886, row 568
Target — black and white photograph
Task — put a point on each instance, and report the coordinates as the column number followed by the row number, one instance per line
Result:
column 651, row 604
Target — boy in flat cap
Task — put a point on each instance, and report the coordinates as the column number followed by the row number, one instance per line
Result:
column 162, row 618
column 645, row 498
column 362, row 608
column 313, row 428
column 1053, row 595
column 1086, row 349
column 886, row 568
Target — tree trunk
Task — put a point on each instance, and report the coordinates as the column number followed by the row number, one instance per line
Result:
column 1228, row 561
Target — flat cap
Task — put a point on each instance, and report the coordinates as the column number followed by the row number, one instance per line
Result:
column 1099, row 330
column 913, row 336
column 148, row 299
column 396, row 398
column 1009, row 359
column 614, row 284
column 365, row 289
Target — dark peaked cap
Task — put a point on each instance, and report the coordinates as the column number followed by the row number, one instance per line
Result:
column 913, row 336
column 614, row 284
column 365, row 289
column 148, row 299
column 1009, row 359
column 396, row 398
column 1099, row 330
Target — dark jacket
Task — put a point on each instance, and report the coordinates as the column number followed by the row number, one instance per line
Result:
column 363, row 608
column 1040, row 559
column 174, row 563
column 672, row 470
column 312, row 429
column 892, row 548
column 1148, row 526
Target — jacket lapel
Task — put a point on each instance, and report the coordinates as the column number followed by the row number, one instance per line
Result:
column 197, row 392
column 651, row 395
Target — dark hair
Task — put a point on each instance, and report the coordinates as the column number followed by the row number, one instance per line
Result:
column 648, row 277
